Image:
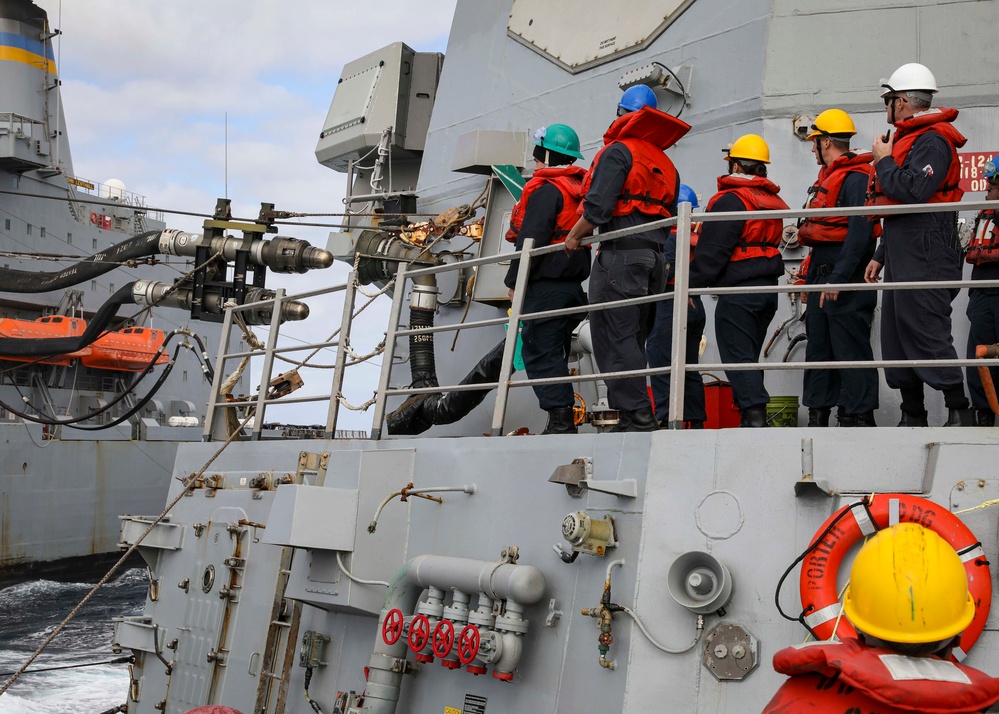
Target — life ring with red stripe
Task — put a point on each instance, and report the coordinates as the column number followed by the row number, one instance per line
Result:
column 93, row 218
column 817, row 583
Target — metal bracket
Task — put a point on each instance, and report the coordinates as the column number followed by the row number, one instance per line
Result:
column 553, row 614
column 314, row 464
column 577, row 477
column 808, row 485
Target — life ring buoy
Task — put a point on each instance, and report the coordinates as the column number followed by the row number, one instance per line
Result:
column 93, row 218
column 817, row 583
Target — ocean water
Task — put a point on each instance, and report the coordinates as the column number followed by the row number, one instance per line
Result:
column 30, row 611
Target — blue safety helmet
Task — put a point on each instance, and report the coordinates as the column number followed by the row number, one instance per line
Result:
column 634, row 98
column 686, row 195
column 989, row 171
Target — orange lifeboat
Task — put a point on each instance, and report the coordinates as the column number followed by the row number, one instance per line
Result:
column 128, row 350
column 49, row 327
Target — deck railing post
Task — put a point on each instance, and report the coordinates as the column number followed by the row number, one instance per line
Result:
column 678, row 358
column 390, row 337
column 509, row 347
column 340, row 364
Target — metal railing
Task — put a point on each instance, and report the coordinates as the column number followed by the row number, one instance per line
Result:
column 680, row 294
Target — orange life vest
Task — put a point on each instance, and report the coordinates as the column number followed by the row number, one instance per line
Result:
column 984, row 245
column 875, row 679
column 824, row 193
column 651, row 185
column 568, row 180
column 938, row 120
column 760, row 236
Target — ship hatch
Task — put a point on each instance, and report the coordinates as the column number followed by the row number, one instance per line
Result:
column 579, row 34
column 206, row 615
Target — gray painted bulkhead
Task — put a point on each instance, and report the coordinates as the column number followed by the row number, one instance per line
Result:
column 696, row 491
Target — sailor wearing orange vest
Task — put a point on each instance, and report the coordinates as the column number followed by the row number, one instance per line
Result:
column 908, row 599
column 731, row 253
column 546, row 212
column 983, row 303
column 839, row 323
column 919, row 165
column 631, row 183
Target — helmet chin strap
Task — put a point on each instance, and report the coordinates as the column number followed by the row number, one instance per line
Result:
column 818, row 148
column 891, row 90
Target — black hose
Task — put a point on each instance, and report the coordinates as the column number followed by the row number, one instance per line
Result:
column 54, row 346
column 422, row 365
column 26, row 281
column 423, row 411
column 52, row 421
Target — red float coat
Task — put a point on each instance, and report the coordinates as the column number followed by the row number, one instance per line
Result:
column 984, row 245
column 850, row 676
column 651, row 185
column 569, row 181
column 760, row 236
column 824, row 193
column 938, row 120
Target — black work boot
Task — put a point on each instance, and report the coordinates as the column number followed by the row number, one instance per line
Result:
column 864, row 419
column 913, row 419
column 623, row 422
column 753, row 417
column 818, row 417
column 560, row 421
column 960, row 417
column 985, row 417
column 637, row 420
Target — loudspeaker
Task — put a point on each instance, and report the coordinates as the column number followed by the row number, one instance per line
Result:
column 699, row 582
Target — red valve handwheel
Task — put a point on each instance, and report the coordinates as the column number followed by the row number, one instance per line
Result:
column 392, row 627
column 443, row 638
column 468, row 644
column 419, row 633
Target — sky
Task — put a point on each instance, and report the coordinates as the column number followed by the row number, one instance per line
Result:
column 189, row 101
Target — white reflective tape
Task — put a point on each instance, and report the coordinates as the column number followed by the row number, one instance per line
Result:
column 959, row 654
column 893, row 511
column 904, row 668
column 819, row 617
column 975, row 552
column 867, row 526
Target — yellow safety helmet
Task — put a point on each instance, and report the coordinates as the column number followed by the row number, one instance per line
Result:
column 751, row 148
column 908, row 585
column 832, row 122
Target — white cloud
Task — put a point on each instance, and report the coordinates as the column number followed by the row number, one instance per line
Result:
column 147, row 85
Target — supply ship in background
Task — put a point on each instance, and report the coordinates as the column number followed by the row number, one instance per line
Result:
column 598, row 572
column 90, row 420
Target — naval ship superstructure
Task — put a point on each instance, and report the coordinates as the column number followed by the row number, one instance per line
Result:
column 89, row 430
column 432, row 568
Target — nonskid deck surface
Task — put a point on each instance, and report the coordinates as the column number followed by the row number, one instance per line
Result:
column 728, row 493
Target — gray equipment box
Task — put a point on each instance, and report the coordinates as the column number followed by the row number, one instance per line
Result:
column 393, row 87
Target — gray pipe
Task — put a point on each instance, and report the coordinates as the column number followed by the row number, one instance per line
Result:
column 499, row 580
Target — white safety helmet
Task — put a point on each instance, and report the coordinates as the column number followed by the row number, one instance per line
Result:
column 911, row 77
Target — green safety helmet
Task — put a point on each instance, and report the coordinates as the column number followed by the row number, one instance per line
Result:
column 559, row 137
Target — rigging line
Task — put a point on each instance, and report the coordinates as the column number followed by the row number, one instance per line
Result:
column 189, row 487
column 210, row 216
column 120, row 660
